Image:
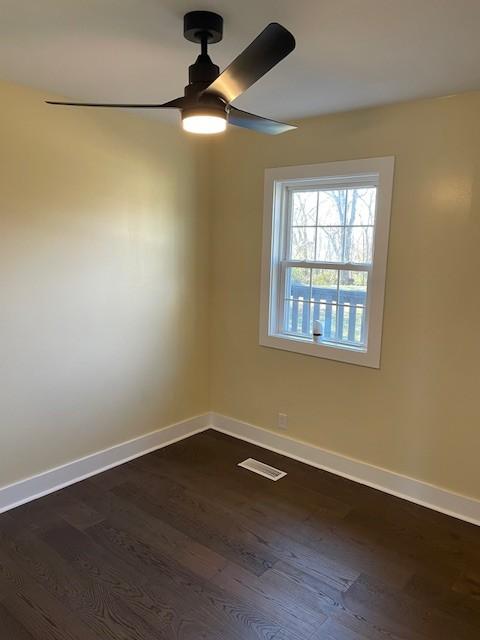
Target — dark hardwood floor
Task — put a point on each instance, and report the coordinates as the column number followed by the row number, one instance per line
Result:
column 182, row 543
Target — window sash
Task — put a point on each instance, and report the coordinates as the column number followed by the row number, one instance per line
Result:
column 337, row 266
column 281, row 308
column 323, row 184
column 332, row 183
column 284, row 263
column 345, row 183
column 344, row 342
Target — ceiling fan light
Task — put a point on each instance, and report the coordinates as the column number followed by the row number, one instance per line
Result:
column 204, row 124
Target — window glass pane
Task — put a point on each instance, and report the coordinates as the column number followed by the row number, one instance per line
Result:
column 327, row 314
column 304, row 208
column 359, row 244
column 302, row 245
column 342, row 324
column 330, row 244
column 331, row 207
column 298, row 317
column 360, row 326
column 297, row 283
column 336, row 298
column 353, row 288
column 350, row 325
column 361, row 206
column 324, row 285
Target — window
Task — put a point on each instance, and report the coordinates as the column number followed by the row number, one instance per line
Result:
column 324, row 259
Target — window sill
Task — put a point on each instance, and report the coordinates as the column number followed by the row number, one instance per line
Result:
column 328, row 350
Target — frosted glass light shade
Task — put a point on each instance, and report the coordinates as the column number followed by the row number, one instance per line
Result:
column 204, row 124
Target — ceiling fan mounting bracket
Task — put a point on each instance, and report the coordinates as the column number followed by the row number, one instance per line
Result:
column 200, row 26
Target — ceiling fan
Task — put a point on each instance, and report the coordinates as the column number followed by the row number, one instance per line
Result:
column 206, row 105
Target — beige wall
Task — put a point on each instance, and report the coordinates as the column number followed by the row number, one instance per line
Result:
column 418, row 414
column 103, row 281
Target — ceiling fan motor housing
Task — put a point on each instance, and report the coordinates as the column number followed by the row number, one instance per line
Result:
column 203, row 72
column 207, row 104
column 200, row 76
column 204, row 28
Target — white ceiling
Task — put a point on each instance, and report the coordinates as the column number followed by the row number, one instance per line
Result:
column 350, row 53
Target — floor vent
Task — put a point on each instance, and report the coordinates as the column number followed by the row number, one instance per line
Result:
column 262, row 469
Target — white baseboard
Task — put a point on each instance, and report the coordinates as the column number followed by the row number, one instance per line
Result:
column 427, row 495
column 422, row 493
column 41, row 484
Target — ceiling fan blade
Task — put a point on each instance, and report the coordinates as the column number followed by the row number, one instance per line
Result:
column 173, row 104
column 263, row 125
column 267, row 50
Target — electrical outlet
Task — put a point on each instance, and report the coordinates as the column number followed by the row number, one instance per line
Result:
column 282, row 421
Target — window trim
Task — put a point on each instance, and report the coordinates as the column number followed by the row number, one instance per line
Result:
column 380, row 171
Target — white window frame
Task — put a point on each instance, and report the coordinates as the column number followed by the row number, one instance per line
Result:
column 373, row 171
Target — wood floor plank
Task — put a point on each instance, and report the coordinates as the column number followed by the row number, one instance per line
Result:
column 321, row 527
column 246, row 492
column 42, row 614
column 335, row 629
column 242, row 620
column 456, row 599
column 324, row 546
column 278, row 604
column 11, row 628
column 209, row 525
column 283, row 545
column 85, row 598
column 182, row 544
column 131, row 516
column 205, row 459
column 160, row 609
column 407, row 616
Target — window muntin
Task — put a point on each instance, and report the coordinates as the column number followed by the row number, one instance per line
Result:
column 324, row 257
